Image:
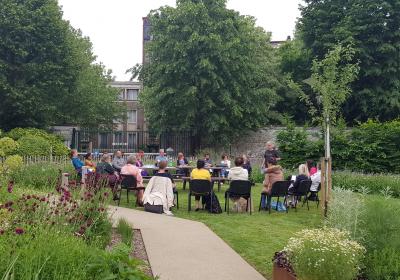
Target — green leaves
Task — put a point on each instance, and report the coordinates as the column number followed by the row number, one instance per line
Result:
column 211, row 71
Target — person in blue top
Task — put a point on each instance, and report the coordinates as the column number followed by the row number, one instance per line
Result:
column 76, row 162
column 161, row 157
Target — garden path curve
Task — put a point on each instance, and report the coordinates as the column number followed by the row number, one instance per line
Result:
column 180, row 249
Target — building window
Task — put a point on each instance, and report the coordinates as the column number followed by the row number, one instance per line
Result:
column 132, row 141
column 132, row 116
column 118, row 138
column 121, row 95
column 132, row 94
column 103, row 140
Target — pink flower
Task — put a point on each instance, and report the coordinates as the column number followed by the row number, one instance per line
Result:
column 19, row 231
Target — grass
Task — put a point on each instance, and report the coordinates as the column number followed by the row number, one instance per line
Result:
column 257, row 237
column 126, row 232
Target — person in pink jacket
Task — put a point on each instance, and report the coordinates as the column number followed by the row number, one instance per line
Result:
column 130, row 168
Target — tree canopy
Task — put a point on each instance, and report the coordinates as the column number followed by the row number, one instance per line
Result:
column 373, row 29
column 211, row 71
column 47, row 70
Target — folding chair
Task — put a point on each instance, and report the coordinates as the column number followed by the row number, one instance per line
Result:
column 197, row 188
column 302, row 191
column 129, row 183
column 314, row 195
column 279, row 189
column 238, row 189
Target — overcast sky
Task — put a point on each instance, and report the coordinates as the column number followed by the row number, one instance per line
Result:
column 115, row 27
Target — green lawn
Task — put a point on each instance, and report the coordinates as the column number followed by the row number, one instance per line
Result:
column 254, row 237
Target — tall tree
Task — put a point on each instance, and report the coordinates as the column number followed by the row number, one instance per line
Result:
column 373, row 28
column 42, row 64
column 211, row 70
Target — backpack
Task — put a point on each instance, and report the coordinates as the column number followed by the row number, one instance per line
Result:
column 216, row 207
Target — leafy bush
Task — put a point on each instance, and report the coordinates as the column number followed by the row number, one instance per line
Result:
column 33, row 146
column 8, row 146
column 324, row 254
column 371, row 147
column 12, row 164
column 55, row 141
column 375, row 183
column 383, row 264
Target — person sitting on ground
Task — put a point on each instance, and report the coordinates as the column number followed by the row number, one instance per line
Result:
column 139, row 163
column 89, row 162
column 161, row 157
column 273, row 173
column 311, row 166
column 104, row 167
column 76, row 162
column 226, row 163
column 159, row 190
column 200, row 173
column 182, row 162
column 118, row 161
column 130, row 168
column 247, row 165
column 207, row 160
column 270, row 152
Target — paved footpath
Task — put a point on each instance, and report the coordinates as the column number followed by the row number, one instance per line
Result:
column 180, row 249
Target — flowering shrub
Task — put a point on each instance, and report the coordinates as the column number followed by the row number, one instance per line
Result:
column 325, row 253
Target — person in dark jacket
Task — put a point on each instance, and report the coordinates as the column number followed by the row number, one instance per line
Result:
column 247, row 165
column 303, row 175
column 182, row 162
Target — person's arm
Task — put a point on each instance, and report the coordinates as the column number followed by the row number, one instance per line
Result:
column 139, row 177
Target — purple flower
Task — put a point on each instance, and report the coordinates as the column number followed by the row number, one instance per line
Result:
column 19, row 231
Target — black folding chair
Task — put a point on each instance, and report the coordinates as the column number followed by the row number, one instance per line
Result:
column 278, row 189
column 129, row 183
column 313, row 196
column 177, row 198
column 238, row 189
column 302, row 191
column 199, row 188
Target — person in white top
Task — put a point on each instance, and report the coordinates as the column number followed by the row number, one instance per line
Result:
column 316, row 180
column 226, row 162
column 238, row 172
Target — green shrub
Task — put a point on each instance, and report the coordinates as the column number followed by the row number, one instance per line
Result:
column 126, row 231
column 12, row 164
column 55, row 141
column 324, row 254
column 375, row 183
column 383, row 264
column 372, row 147
column 33, row 146
column 8, row 146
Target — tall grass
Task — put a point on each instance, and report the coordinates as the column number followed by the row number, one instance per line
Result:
column 126, row 232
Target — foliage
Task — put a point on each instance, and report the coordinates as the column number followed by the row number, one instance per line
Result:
column 324, row 254
column 12, row 164
column 372, row 29
column 33, row 146
column 373, row 183
column 372, row 147
column 383, row 263
column 211, row 70
column 345, row 211
column 39, row 88
column 57, row 146
column 126, row 231
column 8, row 146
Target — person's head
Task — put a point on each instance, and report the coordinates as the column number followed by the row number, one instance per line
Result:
column 118, row 154
column 106, row 158
column 310, row 163
column 180, row 156
column 207, row 156
column 162, row 152
column 162, row 165
column 73, row 153
column 131, row 160
column 88, row 156
column 271, row 161
column 245, row 159
column 224, row 157
column 270, row 145
column 200, row 164
column 239, row 161
column 303, row 170
column 140, row 154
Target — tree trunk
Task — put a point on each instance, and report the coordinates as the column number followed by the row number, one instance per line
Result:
column 327, row 159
